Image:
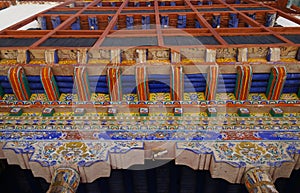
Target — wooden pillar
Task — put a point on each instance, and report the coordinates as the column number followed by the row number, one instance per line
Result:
column 210, row 55
column 49, row 84
column 22, row 57
column 64, row 180
column 142, row 83
column 114, row 83
column 276, row 82
column 141, row 55
column 82, row 83
column 50, row 56
column 243, row 82
column 211, row 83
column 273, row 55
column 175, row 57
column 116, row 56
column 177, row 83
column 242, row 55
column 82, row 56
column 19, row 83
column 258, row 181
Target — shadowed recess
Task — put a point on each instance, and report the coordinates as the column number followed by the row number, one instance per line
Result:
column 17, row 42
column 251, row 8
column 213, row 9
column 175, row 10
column 99, row 12
column 186, row 40
column 69, row 42
column 61, row 12
column 137, row 11
column 293, row 38
column 269, row 39
column 136, row 41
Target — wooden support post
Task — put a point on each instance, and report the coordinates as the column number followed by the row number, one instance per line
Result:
column 141, row 55
column 82, row 83
column 142, row 83
column 175, row 57
column 49, row 56
column 274, row 55
column 19, row 83
column 82, row 56
column 49, row 84
column 243, row 82
column 177, row 83
column 115, row 56
column 22, row 57
column 242, row 55
column 210, row 55
column 211, row 83
column 114, row 83
column 276, row 82
column 64, row 180
column 258, row 181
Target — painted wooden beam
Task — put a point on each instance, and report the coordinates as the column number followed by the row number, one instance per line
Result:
column 177, row 83
column 211, row 82
column 142, row 83
column 158, row 24
column 114, row 83
column 19, row 83
column 243, row 82
column 82, row 83
column 49, row 84
column 276, row 82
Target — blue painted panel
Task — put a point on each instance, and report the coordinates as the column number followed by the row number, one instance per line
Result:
column 128, row 84
column 194, row 82
column 292, row 83
column 98, row 84
column 226, row 83
column 159, row 83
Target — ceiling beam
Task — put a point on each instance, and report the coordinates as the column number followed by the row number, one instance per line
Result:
column 158, row 25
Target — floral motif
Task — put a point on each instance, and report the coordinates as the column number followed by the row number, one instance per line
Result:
column 160, row 97
column 240, row 154
column 38, row 97
column 194, row 96
column 80, row 153
column 99, row 97
column 257, row 96
column 289, row 96
column 225, row 96
column 68, row 97
column 130, row 97
column 9, row 97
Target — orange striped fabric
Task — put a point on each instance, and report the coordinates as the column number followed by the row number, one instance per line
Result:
column 19, row 83
column 211, row 83
column 49, row 84
column 82, row 83
column 243, row 83
column 114, row 84
column 142, row 83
